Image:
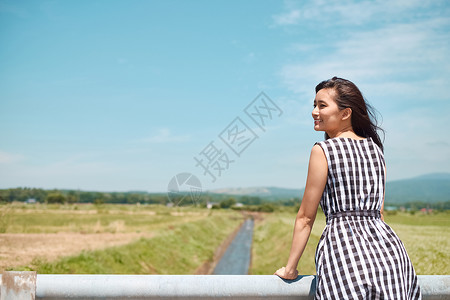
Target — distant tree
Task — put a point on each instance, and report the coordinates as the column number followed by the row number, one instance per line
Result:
column 228, row 203
column 55, row 197
column 4, row 195
column 266, row 207
column 251, row 200
column 133, row 198
column 72, row 197
column 38, row 194
column 99, row 201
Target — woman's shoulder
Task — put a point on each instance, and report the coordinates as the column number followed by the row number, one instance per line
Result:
column 343, row 144
column 342, row 140
column 323, row 147
column 326, row 143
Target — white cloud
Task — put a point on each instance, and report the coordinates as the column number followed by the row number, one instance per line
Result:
column 164, row 135
column 250, row 57
column 416, row 143
column 338, row 13
column 296, row 111
column 288, row 18
column 399, row 59
column 10, row 158
column 406, row 58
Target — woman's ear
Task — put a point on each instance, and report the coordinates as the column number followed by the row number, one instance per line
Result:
column 347, row 113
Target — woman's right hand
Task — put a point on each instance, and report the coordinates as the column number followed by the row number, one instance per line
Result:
column 283, row 273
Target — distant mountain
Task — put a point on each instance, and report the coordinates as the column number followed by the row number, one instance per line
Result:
column 431, row 176
column 430, row 188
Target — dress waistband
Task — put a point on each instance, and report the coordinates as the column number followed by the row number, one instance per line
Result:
column 355, row 213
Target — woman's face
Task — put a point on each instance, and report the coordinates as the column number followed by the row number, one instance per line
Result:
column 326, row 114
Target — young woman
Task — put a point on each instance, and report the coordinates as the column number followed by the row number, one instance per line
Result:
column 358, row 256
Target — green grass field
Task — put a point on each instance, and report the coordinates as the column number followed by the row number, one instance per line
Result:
column 180, row 240
column 88, row 218
column 180, row 250
column 426, row 238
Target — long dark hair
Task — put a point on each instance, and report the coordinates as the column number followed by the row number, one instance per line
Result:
column 363, row 118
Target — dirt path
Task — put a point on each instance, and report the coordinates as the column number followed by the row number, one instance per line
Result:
column 21, row 249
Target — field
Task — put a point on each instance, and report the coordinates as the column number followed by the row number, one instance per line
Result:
column 150, row 239
column 112, row 238
column 426, row 238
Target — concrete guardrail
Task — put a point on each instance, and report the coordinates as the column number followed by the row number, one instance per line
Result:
column 28, row 285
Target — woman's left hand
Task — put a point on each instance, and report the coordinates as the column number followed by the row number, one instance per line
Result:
column 283, row 273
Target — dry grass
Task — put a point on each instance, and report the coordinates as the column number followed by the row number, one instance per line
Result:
column 49, row 233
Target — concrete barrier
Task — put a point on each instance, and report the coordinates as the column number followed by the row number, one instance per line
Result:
column 28, row 285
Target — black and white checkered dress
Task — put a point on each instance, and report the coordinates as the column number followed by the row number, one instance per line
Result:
column 359, row 256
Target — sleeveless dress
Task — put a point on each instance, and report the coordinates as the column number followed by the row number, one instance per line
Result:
column 358, row 255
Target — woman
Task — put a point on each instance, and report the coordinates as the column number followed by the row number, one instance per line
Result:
column 358, row 256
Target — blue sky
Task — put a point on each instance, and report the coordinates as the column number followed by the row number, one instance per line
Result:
column 122, row 95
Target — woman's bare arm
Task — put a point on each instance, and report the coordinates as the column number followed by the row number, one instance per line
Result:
column 315, row 184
